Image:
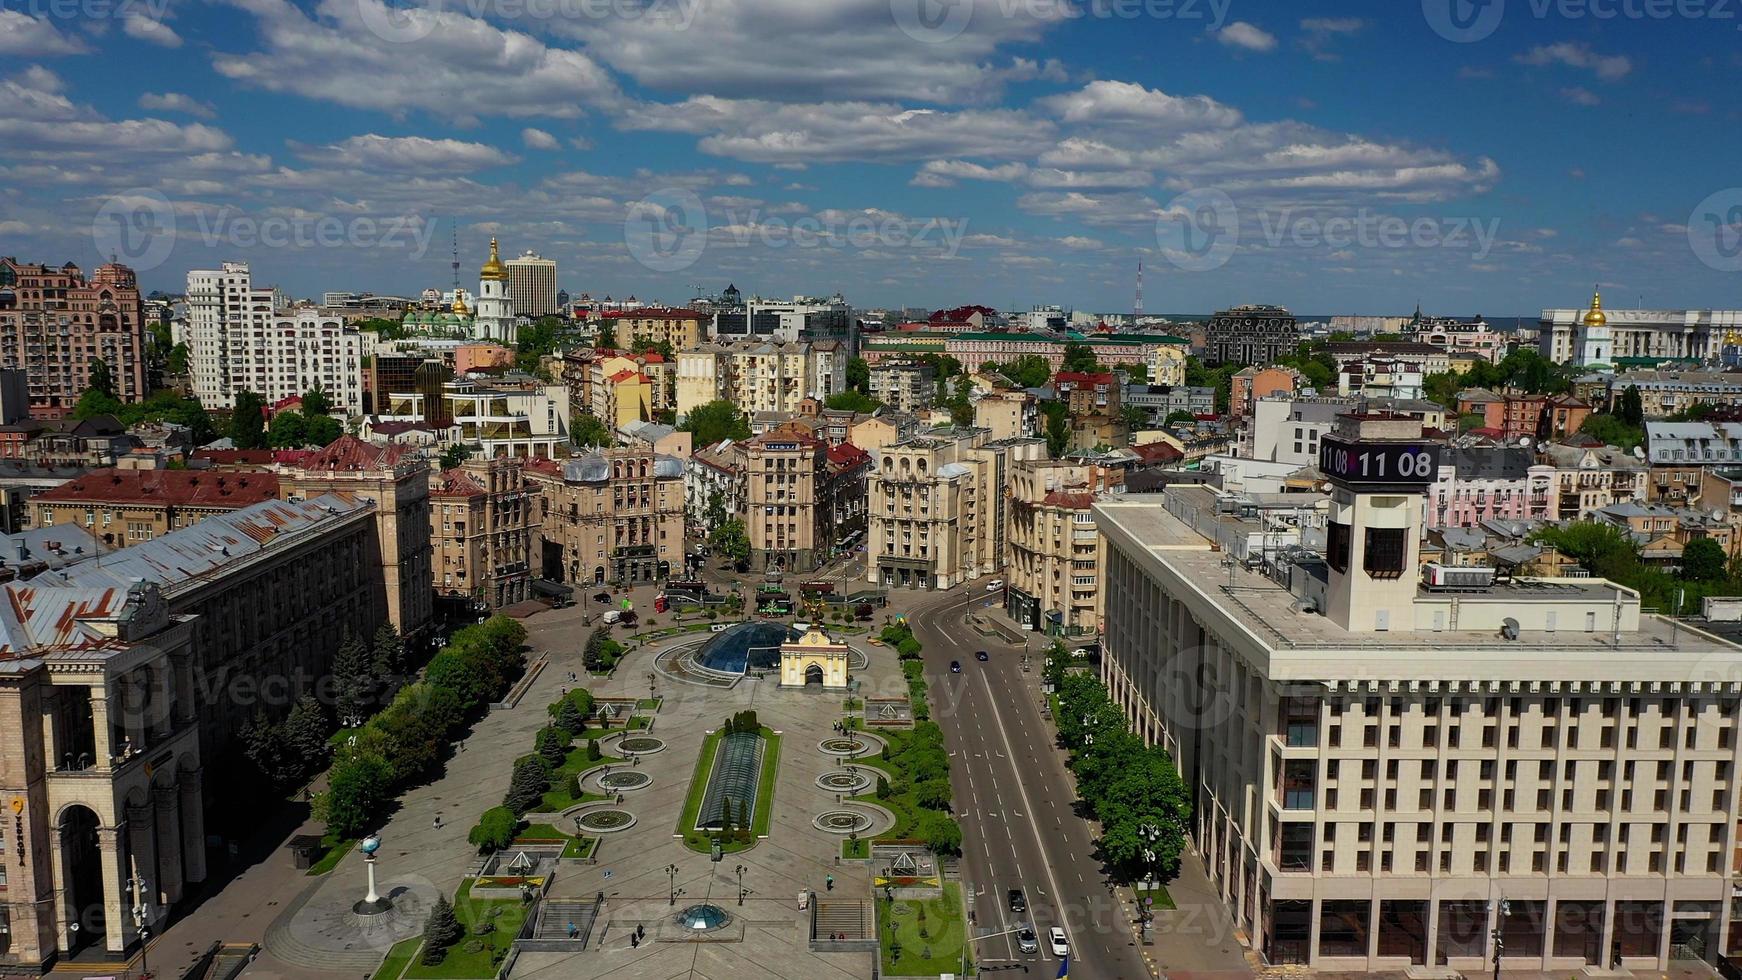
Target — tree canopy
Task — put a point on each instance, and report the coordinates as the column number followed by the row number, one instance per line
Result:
column 717, row 420
column 1079, row 358
column 852, row 400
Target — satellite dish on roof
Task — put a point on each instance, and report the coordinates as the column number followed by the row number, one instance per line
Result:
column 1639, row 452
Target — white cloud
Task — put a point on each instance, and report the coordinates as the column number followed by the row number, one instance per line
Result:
column 151, row 30
column 177, row 102
column 450, row 65
column 1247, row 37
column 1332, row 25
column 580, row 142
column 1115, row 101
column 416, row 154
column 41, row 123
column 1080, row 243
column 25, row 36
column 944, row 173
column 1578, row 95
column 1609, row 68
column 538, row 139
column 1053, row 177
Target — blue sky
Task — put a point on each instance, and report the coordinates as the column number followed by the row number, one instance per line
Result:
column 1345, row 156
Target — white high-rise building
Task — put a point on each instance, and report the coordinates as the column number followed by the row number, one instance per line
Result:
column 493, row 317
column 239, row 339
column 532, row 285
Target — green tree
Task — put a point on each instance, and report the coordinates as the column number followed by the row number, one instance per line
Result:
column 248, row 421
column 455, row 454
column 940, row 833
column 353, row 680
column 495, row 830
column 440, row 931
column 714, row 513
column 717, row 420
column 316, row 401
column 731, row 540
column 852, row 400
column 607, row 339
column 527, row 785
column 1079, row 358
column 552, row 745
column 358, row 786
column 1027, row 371
column 1058, row 428
column 1703, row 560
column 1613, row 431
column 1180, row 418
column 391, row 657
column 101, row 378
column 263, row 746
column 1629, row 407
column 93, row 403
column 859, row 375
column 569, row 717
column 304, row 735
column 1137, row 373
column 177, row 362
column 585, row 429
column 321, row 430
column 287, row 431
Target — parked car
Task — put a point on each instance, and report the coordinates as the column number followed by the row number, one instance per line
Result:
column 611, row 617
column 1055, row 938
column 1018, row 901
column 1027, row 941
column 601, row 597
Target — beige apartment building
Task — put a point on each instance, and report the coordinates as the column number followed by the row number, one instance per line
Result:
column 1387, row 773
column 1053, row 571
column 935, row 510
column 755, row 375
column 104, row 663
column 479, row 532
column 122, row 507
column 1006, row 413
column 1587, row 480
column 616, row 515
column 785, row 512
column 682, row 329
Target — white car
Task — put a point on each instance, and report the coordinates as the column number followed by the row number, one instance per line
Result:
column 1061, row 947
column 996, row 585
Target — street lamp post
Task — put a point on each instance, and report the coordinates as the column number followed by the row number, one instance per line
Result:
column 671, row 883
column 740, row 870
column 1151, row 835
column 1502, row 912
column 142, row 924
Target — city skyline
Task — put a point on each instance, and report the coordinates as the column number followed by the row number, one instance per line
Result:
column 1006, row 152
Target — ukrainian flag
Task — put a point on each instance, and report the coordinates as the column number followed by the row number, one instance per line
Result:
column 1065, row 968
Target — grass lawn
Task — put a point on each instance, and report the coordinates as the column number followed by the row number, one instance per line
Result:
column 649, row 704
column 561, row 794
column 336, row 851
column 484, row 963
column 398, row 958
column 697, row 840
column 860, row 848
column 1163, row 900
column 573, row 847
column 905, row 808
column 944, row 935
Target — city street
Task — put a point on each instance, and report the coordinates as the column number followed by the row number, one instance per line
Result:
column 1014, row 799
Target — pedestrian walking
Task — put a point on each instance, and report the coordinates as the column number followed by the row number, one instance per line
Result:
column 438, row 821
column 572, row 930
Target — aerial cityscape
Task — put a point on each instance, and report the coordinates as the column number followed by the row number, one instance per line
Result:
column 1113, row 489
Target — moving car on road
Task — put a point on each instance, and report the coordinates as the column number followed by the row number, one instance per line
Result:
column 1018, row 901
column 1061, row 947
column 1027, row 941
column 955, row 666
column 981, row 656
column 996, row 585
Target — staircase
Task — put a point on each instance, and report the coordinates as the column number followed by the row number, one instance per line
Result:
column 853, row 924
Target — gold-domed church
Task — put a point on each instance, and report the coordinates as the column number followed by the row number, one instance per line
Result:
column 494, row 317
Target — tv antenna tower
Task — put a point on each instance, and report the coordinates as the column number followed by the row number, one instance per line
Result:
column 1137, row 307
column 456, row 259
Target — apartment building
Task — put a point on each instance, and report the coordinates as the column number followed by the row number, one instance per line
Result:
column 1287, row 430
column 1250, row 335
column 532, row 285
column 122, row 507
column 394, row 479
column 1667, row 392
column 1390, row 777
column 904, row 386
column 785, row 507
column 513, row 416
column 1253, row 383
column 755, row 375
column 936, row 509
column 1483, row 483
column 480, row 535
column 616, row 515
column 245, row 339
column 1006, row 414
column 635, row 329
column 1589, row 478
column 101, row 700
column 713, row 487
column 1054, row 568
column 55, row 324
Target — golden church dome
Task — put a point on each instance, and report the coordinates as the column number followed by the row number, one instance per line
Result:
column 1596, row 317
column 493, row 269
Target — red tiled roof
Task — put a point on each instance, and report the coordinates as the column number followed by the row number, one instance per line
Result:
column 181, row 488
column 1074, row 499
column 1158, row 452
column 847, row 454
column 1085, row 377
column 351, row 453
column 457, row 483
column 542, row 464
column 624, row 375
column 651, row 313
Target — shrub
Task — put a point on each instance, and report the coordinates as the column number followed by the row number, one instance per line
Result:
column 474, row 946
column 593, row 753
column 882, row 786
column 495, row 830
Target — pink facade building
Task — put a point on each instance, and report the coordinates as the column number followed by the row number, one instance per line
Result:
column 1481, row 483
column 55, row 324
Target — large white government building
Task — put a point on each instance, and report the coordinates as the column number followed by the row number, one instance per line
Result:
column 1387, row 766
column 1598, row 336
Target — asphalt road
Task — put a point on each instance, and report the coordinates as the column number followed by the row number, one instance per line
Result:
column 1014, row 799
